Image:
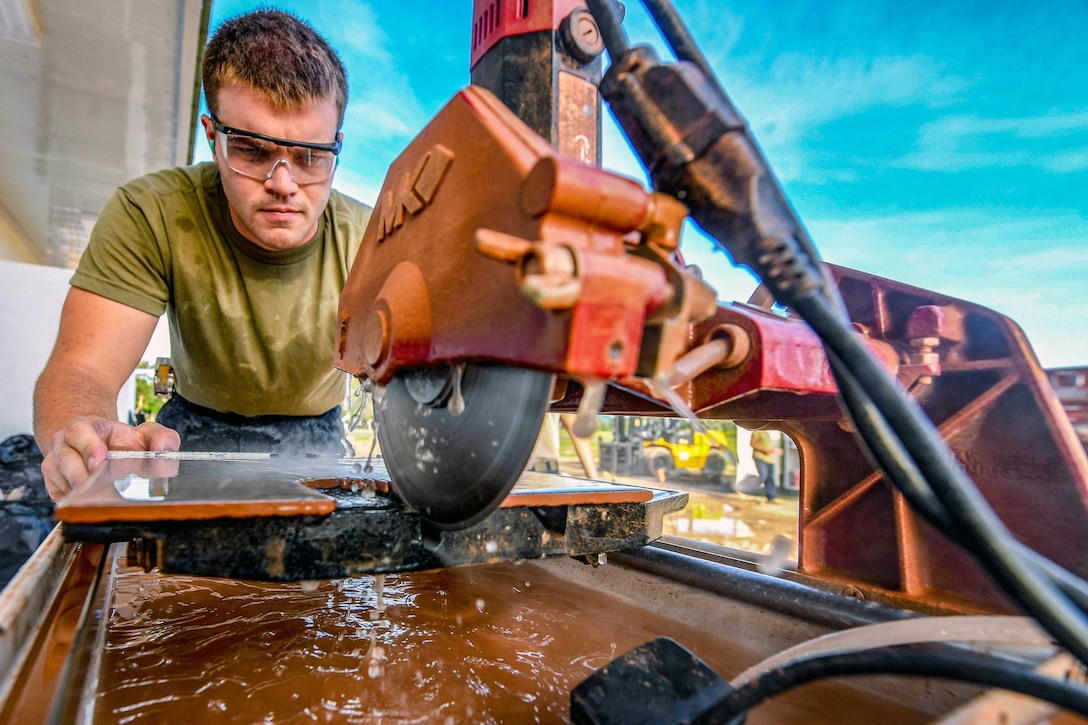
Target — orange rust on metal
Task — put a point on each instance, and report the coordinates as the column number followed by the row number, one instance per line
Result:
column 577, row 127
column 345, row 316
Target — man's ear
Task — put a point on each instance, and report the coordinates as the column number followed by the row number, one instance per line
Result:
column 209, row 131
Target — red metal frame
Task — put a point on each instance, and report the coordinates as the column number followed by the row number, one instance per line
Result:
column 493, row 20
column 975, row 375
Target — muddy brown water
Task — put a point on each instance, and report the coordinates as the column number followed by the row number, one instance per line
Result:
column 485, row 644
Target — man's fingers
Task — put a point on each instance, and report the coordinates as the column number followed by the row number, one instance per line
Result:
column 83, row 447
column 158, row 437
column 69, row 469
column 55, row 484
column 75, row 452
column 87, row 437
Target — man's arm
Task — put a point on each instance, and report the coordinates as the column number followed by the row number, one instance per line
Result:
column 759, row 443
column 75, row 401
column 763, row 444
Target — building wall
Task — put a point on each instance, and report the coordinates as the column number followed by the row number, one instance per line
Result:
column 31, row 297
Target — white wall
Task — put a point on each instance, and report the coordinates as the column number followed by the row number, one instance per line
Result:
column 31, row 297
column 746, row 466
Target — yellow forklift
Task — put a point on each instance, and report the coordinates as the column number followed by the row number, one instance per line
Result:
column 682, row 451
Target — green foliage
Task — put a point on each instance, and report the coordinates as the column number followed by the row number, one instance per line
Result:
column 146, row 401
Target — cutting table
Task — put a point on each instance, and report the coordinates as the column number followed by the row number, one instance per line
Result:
column 271, row 519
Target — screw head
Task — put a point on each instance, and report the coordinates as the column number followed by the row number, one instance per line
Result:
column 581, row 36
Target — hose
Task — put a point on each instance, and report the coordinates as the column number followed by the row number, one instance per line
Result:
column 985, row 671
column 987, row 630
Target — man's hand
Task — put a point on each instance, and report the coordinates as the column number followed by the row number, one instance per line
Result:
column 82, row 448
column 99, row 344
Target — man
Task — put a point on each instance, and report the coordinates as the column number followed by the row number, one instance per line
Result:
column 764, row 453
column 246, row 255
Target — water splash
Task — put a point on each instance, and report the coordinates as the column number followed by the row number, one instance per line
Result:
column 488, row 644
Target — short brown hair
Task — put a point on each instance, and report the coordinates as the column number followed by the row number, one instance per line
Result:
column 276, row 54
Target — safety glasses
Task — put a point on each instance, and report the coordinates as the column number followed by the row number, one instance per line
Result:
column 256, row 156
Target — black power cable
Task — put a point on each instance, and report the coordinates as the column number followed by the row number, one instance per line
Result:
column 961, row 500
column 987, row 671
column 899, row 468
column 610, row 23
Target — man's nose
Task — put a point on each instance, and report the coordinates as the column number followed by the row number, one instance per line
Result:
column 281, row 182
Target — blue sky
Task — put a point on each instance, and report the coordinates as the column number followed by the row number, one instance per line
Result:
column 944, row 145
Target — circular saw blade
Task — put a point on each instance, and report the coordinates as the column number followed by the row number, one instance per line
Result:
column 456, row 469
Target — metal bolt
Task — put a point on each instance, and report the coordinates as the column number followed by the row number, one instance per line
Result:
column 548, row 276
column 925, row 354
column 596, row 560
column 581, row 36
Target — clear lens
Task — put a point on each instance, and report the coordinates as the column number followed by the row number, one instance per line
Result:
column 257, row 159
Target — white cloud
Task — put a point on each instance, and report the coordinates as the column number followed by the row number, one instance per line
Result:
column 1034, row 271
column 786, row 96
column 384, row 114
column 786, row 103
column 961, row 142
column 1068, row 162
column 800, row 92
column 356, row 34
column 357, row 186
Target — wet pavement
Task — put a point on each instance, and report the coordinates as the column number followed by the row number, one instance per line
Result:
column 716, row 515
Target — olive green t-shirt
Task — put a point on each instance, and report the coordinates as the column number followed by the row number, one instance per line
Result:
column 252, row 332
column 762, row 439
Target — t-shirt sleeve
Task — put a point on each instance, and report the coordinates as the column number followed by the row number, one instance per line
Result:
column 123, row 260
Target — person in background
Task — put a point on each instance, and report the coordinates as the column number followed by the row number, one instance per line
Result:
column 246, row 255
column 764, row 453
